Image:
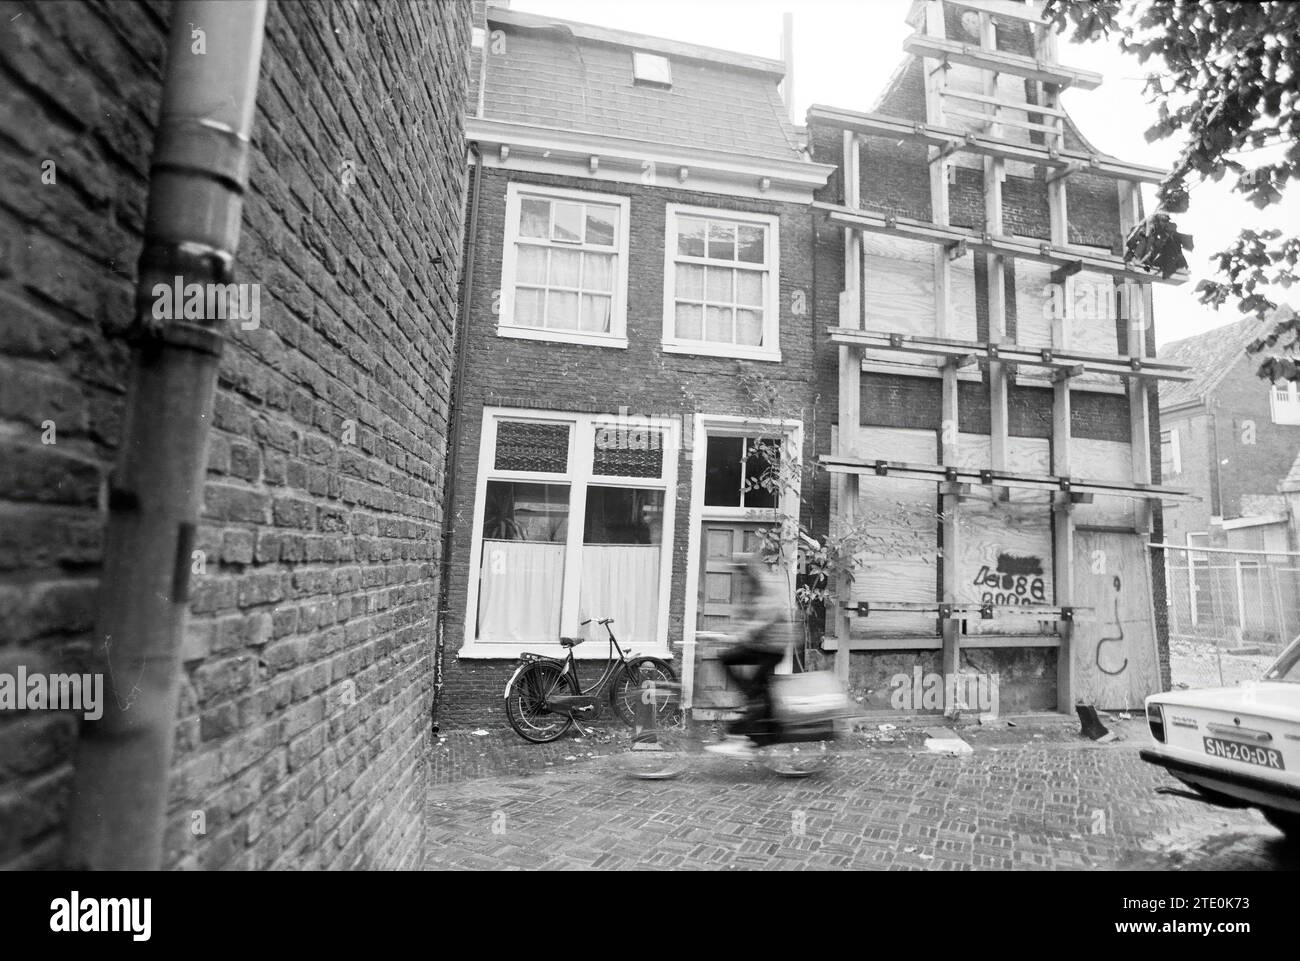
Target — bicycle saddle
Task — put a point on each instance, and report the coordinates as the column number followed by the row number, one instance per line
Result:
column 570, row 641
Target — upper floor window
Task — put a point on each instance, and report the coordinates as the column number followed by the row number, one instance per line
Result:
column 1284, row 403
column 651, row 68
column 721, row 284
column 1171, row 461
column 564, row 268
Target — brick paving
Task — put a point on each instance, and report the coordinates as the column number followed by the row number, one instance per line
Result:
column 1032, row 797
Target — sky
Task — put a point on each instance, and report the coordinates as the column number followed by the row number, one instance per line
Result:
column 846, row 50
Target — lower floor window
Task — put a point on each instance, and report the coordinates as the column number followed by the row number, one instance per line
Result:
column 578, row 541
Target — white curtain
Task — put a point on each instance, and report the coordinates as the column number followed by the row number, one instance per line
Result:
column 622, row 581
column 520, row 590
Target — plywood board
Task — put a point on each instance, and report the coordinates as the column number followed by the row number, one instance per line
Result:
column 1090, row 321
column 900, row 284
column 1113, row 648
column 1034, row 304
column 1103, row 460
column 901, row 520
column 968, row 79
column 1005, row 545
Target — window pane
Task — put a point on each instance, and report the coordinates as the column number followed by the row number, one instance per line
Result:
column 750, row 244
column 762, row 464
column 521, row 580
column 690, row 237
column 722, row 241
column 749, row 328
column 565, row 267
column 717, row 324
column 597, row 272
column 622, row 549
column 562, row 310
column 626, row 450
column 690, row 319
column 690, row 282
column 722, row 471
column 534, row 218
column 719, row 285
column 532, row 447
column 528, row 306
column 602, row 223
column 568, row 223
column 595, row 313
column 749, row 288
column 531, row 261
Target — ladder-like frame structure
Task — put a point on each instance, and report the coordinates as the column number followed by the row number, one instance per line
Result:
column 936, row 51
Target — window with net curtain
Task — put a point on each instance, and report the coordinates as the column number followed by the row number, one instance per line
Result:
column 720, row 281
column 526, row 534
column 565, row 264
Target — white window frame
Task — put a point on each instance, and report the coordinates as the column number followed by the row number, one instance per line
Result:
column 617, row 336
column 579, row 477
column 1284, row 403
column 771, row 351
column 653, row 68
column 1175, row 452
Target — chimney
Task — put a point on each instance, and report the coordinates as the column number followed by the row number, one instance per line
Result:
column 787, row 54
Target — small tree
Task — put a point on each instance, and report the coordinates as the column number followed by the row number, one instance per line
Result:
column 1227, row 78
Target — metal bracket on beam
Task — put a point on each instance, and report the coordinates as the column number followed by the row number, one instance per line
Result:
column 863, row 608
column 1046, row 355
column 891, row 222
column 1067, row 613
column 896, row 340
column 882, row 467
column 1061, row 173
column 986, row 612
column 1060, row 274
column 1065, row 373
column 958, row 250
column 945, row 612
column 949, row 148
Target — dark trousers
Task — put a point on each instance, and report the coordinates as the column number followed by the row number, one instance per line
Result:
column 757, row 722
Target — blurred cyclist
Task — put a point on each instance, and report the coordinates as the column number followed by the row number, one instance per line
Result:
column 764, row 637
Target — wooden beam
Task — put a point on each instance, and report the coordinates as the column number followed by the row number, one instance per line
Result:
column 952, row 51
column 1022, row 248
column 881, row 125
column 1003, row 102
column 1121, row 365
column 968, row 475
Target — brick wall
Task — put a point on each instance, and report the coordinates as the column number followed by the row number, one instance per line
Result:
column 503, row 371
column 307, row 662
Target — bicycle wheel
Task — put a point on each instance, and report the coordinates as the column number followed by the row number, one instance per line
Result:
column 630, row 686
column 525, row 704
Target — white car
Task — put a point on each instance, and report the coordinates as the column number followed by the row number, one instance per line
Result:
column 1236, row 746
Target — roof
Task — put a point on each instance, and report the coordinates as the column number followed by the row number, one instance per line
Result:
column 1210, row 356
column 573, row 76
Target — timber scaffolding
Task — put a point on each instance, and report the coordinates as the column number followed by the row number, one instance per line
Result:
column 982, row 119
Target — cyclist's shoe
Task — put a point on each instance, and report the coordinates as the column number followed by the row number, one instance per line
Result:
column 735, row 745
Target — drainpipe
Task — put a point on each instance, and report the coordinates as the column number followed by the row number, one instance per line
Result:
column 197, row 182
column 453, row 433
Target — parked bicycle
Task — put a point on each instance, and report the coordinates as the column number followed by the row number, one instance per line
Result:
column 545, row 698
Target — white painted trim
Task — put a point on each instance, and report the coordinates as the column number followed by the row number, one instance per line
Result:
column 617, row 337
column 724, row 424
column 1256, row 521
column 771, row 294
column 578, row 478
column 568, row 153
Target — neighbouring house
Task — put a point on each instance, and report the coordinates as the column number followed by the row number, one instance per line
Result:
column 1233, row 440
column 303, row 729
column 992, row 358
column 638, row 299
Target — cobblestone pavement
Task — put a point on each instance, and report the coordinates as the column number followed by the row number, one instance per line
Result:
column 1035, row 797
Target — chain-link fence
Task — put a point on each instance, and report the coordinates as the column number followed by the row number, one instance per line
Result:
column 1233, row 598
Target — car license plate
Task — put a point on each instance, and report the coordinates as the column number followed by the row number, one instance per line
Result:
column 1234, row 751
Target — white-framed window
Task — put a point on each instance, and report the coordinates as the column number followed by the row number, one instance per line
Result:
column 1284, row 403
column 1171, row 460
column 721, row 283
column 651, row 68
column 573, row 519
column 564, row 266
